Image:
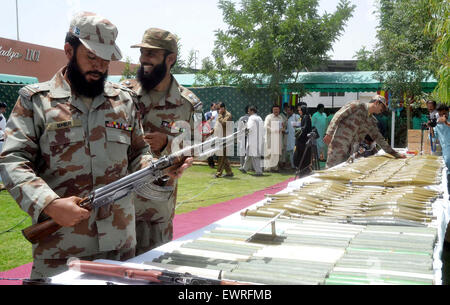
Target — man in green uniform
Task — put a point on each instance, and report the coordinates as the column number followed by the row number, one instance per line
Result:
column 169, row 113
column 71, row 135
column 349, row 127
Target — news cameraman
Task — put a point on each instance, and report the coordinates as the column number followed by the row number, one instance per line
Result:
column 433, row 116
column 442, row 131
column 302, row 156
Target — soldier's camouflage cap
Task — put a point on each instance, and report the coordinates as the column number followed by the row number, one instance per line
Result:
column 97, row 34
column 381, row 99
column 155, row 38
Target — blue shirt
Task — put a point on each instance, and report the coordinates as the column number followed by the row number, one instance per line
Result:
column 442, row 132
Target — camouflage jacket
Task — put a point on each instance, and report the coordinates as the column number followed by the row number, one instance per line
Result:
column 352, row 123
column 172, row 114
column 221, row 124
column 56, row 147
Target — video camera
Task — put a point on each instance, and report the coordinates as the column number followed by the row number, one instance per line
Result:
column 314, row 134
column 432, row 122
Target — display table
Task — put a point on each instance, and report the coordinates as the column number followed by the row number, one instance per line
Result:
column 330, row 259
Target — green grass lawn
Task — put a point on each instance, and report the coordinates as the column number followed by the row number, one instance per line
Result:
column 197, row 188
column 15, row 250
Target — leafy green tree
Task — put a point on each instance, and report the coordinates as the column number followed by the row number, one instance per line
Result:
column 367, row 60
column 269, row 40
column 403, row 50
column 215, row 72
column 128, row 72
column 438, row 28
column 180, row 64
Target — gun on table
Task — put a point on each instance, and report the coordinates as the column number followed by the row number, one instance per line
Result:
column 137, row 181
column 150, row 275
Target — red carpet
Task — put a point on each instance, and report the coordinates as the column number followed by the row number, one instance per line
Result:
column 192, row 221
column 183, row 223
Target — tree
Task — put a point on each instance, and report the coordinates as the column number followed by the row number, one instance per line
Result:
column 128, row 72
column 269, row 40
column 404, row 51
column 179, row 66
column 214, row 72
column 367, row 60
column 191, row 61
column 402, row 55
column 438, row 29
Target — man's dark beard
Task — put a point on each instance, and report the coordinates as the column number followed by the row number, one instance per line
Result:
column 79, row 83
column 151, row 80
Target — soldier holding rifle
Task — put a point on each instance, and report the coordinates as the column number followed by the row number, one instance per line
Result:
column 69, row 136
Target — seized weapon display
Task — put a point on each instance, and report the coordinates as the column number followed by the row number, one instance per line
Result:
column 345, row 203
column 149, row 275
column 315, row 252
column 138, row 181
column 385, row 171
column 387, row 255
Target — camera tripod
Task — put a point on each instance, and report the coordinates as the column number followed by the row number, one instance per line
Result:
column 423, row 128
column 311, row 145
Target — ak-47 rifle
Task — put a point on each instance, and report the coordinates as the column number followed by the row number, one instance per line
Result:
column 150, row 275
column 138, row 181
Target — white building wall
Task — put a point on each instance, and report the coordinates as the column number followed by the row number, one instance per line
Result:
column 314, row 98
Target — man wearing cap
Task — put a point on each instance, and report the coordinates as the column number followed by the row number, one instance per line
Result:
column 169, row 113
column 349, row 127
column 71, row 135
column 2, row 124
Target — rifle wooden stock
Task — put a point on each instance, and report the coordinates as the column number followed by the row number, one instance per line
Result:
column 38, row 231
column 153, row 276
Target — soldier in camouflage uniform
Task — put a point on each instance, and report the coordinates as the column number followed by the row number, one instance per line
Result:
column 349, row 127
column 169, row 112
column 69, row 136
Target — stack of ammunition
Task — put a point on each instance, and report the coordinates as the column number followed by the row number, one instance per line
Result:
column 313, row 252
column 385, row 171
column 303, row 254
column 345, row 203
column 387, row 255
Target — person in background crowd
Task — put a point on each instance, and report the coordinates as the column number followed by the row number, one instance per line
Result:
column 319, row 120
column 211, row 117
column 242, row 137
column 220, row 129
column 302, row 156
column 418, row 118
column 284, row 155
column 432, row 111
column 433, row 115
column 292, row 123
column 442, row 131
column 275, row 126
column 255, row 145
column 350, row 125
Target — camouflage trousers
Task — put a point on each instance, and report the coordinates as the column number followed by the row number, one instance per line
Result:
column 339, row 151
column 223, row 164
column 43, row 268
column 154, row 222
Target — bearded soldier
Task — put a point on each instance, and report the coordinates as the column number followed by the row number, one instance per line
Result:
column 69, row 136
column 169, row 112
